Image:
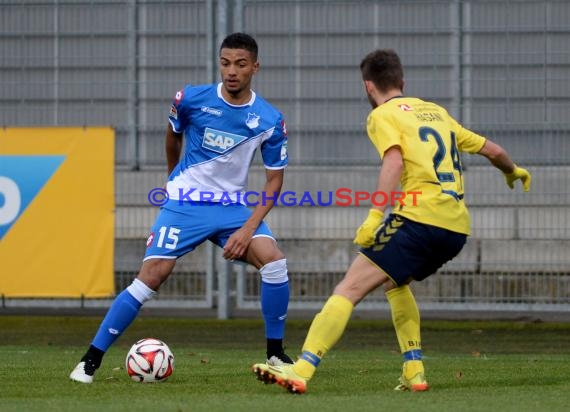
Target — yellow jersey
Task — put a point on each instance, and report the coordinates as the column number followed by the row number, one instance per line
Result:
column 429, row 140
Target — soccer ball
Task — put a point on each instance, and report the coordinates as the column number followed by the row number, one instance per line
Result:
column 149, row 360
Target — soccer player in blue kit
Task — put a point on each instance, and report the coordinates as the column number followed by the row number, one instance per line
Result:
column 223, row 125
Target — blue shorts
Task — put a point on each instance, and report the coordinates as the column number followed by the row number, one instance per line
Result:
column 179, row 229
column 405, row 249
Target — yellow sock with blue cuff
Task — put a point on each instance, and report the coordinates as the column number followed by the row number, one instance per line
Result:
column 325, row 331
column 406, row 320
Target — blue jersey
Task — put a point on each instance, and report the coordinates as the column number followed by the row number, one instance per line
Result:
column 220, row 142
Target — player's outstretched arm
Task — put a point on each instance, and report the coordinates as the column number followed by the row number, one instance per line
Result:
column 271, row 189
column 388, row 181
column 173, row 146
column 499, row 158
column 238, row 242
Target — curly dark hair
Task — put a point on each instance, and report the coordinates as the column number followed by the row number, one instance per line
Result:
column 240, row 41
column 383, row 68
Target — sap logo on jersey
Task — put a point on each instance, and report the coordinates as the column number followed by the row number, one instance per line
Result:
column 220, row 141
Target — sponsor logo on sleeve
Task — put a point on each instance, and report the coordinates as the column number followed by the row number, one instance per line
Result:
column 178, row 97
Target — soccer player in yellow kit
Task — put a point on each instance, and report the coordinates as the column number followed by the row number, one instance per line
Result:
column 419, row 143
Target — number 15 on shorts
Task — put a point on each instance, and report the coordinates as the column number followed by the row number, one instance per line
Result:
column 167, row 237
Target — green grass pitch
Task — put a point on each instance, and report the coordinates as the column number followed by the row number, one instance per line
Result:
column 471, row 366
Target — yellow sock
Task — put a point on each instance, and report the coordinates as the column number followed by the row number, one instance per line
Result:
column 406, row 319
column 325, row 331
column 413, row 368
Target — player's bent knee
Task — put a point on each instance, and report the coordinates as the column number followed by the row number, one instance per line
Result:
column 155, row 271
column 353, row 291
column 140, row 291
column 263, row 249
column 389, row 285
column 354, row 295
column 275, row 272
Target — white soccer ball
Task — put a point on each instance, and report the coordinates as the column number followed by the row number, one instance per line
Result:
column 149, row 360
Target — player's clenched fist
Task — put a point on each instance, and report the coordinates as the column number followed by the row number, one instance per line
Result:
column 518, row 173
column 366, row 233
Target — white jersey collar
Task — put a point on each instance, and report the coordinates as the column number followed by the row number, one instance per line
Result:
column 250, row 103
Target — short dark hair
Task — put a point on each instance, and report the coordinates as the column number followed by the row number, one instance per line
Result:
column 383, row 68
column 240, row 41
